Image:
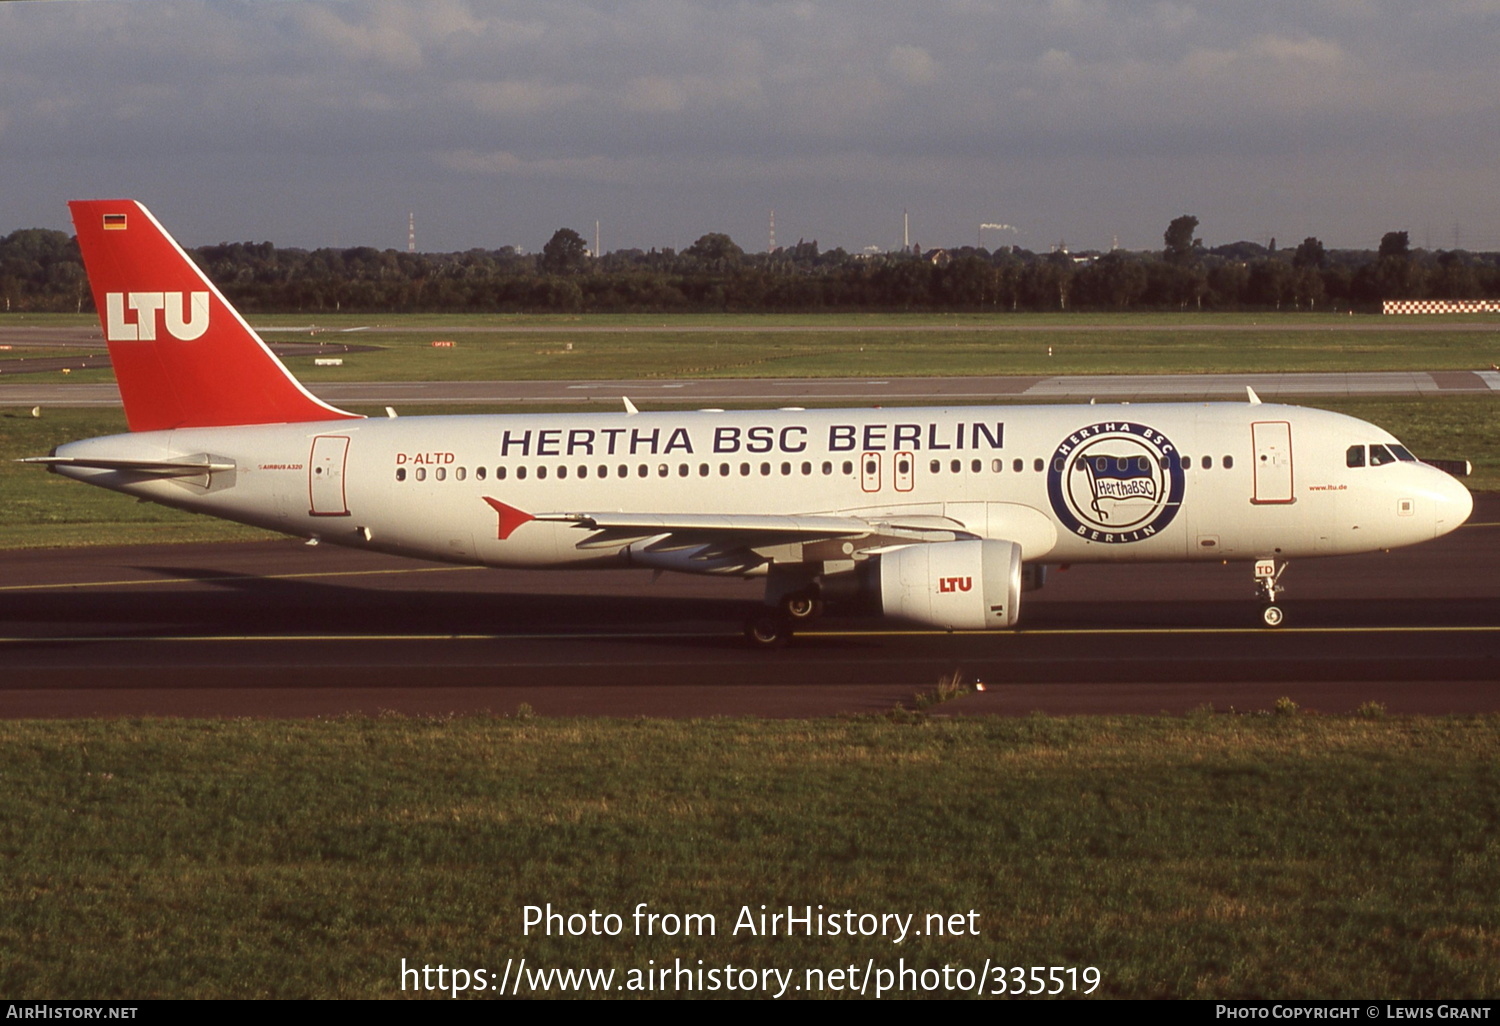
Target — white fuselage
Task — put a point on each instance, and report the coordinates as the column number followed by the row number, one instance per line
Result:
column 1069, row 484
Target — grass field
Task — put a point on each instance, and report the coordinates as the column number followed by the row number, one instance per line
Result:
column 1209, row 856
column 523, row 348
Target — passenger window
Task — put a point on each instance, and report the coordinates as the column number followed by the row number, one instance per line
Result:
column 765, row 470
column 827, row 468
column 479, row 473
column 641, row 470
column 460, row 474
column 661, row 470
column 806, row 469
column 936, row 466
column 703, row 470
column 996, row 466
column 723, row 470
column 1017, row 466
column 624, row 471
column 848, row 468
column 1037, row 464
column 1208, row 463
column 441, row 473
column 400, row 473
column 541, row 472
column 682, row 470
column 421, row 474
column 562, row 471
column 1228, row 462
column 903, row 466
column 1355, row 457
column 499, row 473
column 1059, row 462
column 744, row 470
column 786, row 468
column 976, row 466
column 583, row 471
column 520, row 473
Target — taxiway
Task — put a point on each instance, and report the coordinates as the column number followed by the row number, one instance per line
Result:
column 283, row 629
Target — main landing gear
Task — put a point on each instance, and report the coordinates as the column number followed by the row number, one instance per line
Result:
column 1268, row 580
column 773, row 626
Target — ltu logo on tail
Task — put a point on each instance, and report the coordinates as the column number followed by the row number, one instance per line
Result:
column 949, row 584
column 185, row 314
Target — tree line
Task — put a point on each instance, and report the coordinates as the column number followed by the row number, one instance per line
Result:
column 40, row 270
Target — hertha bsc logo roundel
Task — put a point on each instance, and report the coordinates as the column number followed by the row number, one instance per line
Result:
column 1115, row 481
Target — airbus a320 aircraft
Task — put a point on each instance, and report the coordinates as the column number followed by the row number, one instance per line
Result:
column 934, row 515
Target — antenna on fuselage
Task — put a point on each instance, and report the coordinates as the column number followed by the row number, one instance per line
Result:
column 1250, row 394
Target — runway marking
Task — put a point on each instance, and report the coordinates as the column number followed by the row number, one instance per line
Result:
column 684, row 635
column 238, row 577
column 1047, row 631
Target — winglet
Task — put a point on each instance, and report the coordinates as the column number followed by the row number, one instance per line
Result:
column 1250, row 393
column 510, row 517
column 182, row 355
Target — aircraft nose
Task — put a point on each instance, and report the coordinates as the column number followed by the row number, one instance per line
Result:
column 1452, row 504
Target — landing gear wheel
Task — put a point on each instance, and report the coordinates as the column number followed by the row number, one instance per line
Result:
column 802, row 606
column 1268, row 580
column 768, row 629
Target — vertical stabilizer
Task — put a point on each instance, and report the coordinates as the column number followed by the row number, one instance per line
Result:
column 182, row 355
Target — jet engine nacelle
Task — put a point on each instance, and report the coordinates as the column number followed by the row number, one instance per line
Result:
column 958, row 585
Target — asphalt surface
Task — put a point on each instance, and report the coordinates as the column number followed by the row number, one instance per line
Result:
column 284, row 629
column 710, row 392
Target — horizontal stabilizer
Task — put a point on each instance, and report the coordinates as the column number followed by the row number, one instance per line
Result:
column 185, row 467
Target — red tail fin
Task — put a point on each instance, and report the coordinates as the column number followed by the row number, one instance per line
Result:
column 183, row 356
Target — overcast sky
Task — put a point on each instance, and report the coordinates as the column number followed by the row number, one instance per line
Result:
column 1085, row 121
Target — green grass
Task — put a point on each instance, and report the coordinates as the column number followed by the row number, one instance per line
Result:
column 498, row 347
column 1212, row 856
column 795, row 353
column 39, row 510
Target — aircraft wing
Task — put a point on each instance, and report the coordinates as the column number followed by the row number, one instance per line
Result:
column 735, row 542
column 716, row 526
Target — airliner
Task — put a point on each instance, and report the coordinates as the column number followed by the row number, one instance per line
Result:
column 938, row 516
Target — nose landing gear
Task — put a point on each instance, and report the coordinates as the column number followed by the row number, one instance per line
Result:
column 1268, row 581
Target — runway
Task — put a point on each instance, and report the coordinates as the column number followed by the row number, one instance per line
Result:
column 711, row 392
column 283, row 629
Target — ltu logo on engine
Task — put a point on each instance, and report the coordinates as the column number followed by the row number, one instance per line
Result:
column 951, row 584
column 185, row 315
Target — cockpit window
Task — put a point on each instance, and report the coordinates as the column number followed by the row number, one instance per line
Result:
column 1380, row 456
column 1403, row 453
column 1356, row 456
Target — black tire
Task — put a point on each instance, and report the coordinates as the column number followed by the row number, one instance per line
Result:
column 768, row 629
column 801, row 606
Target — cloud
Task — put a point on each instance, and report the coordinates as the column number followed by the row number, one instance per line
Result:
column 517, row 98
column 863, row 103
column 913, row 64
